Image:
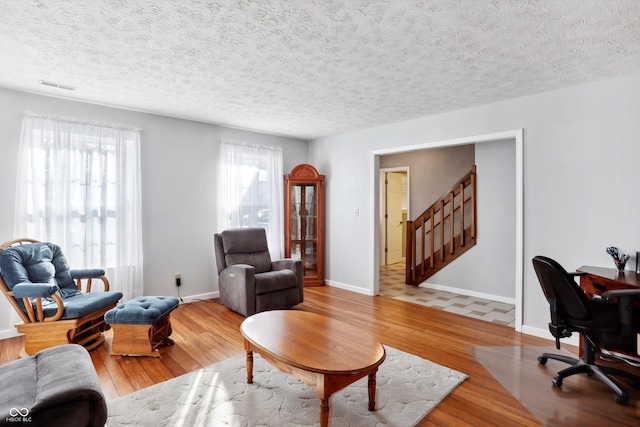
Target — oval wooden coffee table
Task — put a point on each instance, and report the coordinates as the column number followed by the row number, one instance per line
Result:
column 325, row 354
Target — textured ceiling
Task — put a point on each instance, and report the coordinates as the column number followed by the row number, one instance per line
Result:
column 311, row 68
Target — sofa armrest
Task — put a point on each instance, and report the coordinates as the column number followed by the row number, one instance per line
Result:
column 67, row 388
column 88, row 274
column 237, row 285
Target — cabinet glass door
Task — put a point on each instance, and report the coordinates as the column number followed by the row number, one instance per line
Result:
column 304, row 227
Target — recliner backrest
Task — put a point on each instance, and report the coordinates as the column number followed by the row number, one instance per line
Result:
column 560, row 288
column 245, row 246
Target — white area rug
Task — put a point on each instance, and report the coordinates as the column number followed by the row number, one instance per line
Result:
column 409, row 387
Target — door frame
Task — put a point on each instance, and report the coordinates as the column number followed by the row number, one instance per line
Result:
column 383, row 233
column 517, row 136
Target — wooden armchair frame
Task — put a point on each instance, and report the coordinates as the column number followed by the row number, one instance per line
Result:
column 44, row 332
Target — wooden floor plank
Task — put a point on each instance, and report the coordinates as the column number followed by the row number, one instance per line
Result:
column 206, row 332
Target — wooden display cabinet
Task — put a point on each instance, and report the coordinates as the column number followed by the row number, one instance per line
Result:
column 304, row 221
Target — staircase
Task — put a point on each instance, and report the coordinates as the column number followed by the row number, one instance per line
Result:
column 443, row 232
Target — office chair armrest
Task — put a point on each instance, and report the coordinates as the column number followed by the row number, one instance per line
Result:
column 577, row 274
column 620, row 293
column 626, row 301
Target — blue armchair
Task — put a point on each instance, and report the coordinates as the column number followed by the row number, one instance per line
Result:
column 36, row 279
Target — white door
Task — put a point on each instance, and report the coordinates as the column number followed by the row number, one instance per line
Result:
column 394, row 229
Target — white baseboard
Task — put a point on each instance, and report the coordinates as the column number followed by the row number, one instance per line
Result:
column 9, row 333
column 544, row 333
column 192, row 298
column 348, row 287
column 468, row 293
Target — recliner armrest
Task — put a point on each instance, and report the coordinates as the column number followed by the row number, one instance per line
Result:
column 34, row 290
column 285, row 263
column 291, row 264
column 237, row 286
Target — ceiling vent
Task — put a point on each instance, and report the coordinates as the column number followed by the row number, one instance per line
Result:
column 57, row 85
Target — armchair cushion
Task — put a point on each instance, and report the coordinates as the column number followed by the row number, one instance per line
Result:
column 246, row 246
column 37, row 263
column 271, row 281
column 80, row 305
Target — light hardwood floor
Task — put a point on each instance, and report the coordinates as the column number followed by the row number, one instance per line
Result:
column 205, row 332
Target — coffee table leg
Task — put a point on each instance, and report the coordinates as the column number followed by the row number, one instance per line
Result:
column 249, row 367
column 324, row 412
column 372, row 390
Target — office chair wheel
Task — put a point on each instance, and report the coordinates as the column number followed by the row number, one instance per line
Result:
column 622, row 398
column 542, row 360
column 557, row 381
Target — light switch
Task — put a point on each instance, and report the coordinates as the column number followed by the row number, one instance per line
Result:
column 356, row 212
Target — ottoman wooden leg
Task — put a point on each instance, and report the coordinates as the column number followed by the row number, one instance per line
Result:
column 141, row 340
column 132, row 340
column 161, row 331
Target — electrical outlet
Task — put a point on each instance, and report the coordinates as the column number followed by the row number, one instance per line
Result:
column 178, row 278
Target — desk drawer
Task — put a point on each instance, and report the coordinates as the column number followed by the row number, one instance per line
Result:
column 598, row 286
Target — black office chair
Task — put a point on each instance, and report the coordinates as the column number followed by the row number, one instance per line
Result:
column 609, row 322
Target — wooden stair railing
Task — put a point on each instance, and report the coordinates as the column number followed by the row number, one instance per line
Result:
column 443, row 232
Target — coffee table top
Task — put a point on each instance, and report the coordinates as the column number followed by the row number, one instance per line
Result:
column 313, row 342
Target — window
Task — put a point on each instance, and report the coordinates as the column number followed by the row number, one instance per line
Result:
column 79, row 187
column 250, row 190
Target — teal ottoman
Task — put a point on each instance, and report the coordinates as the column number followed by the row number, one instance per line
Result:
column 141, row 325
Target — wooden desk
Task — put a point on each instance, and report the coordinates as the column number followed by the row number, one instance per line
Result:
column 599, row 280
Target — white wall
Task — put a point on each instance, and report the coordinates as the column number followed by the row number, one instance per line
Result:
column 178, row 162
column 488, row 269
column 581, row 178
column 432, row 172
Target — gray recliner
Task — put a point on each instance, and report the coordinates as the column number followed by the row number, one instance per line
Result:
column 57, row 386
column 248, row 280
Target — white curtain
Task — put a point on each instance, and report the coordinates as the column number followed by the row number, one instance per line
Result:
column 250, row 191
column 79, row 187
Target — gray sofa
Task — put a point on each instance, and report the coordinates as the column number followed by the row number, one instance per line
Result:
column 56, row 387
column 248, row 280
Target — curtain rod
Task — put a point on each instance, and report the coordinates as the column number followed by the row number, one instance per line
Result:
column 82, row 122
column 249, row 144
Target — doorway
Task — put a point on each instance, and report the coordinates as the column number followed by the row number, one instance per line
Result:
column 394, row 196
column 517, row 137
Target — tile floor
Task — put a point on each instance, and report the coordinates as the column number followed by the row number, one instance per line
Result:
column 392, row 285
